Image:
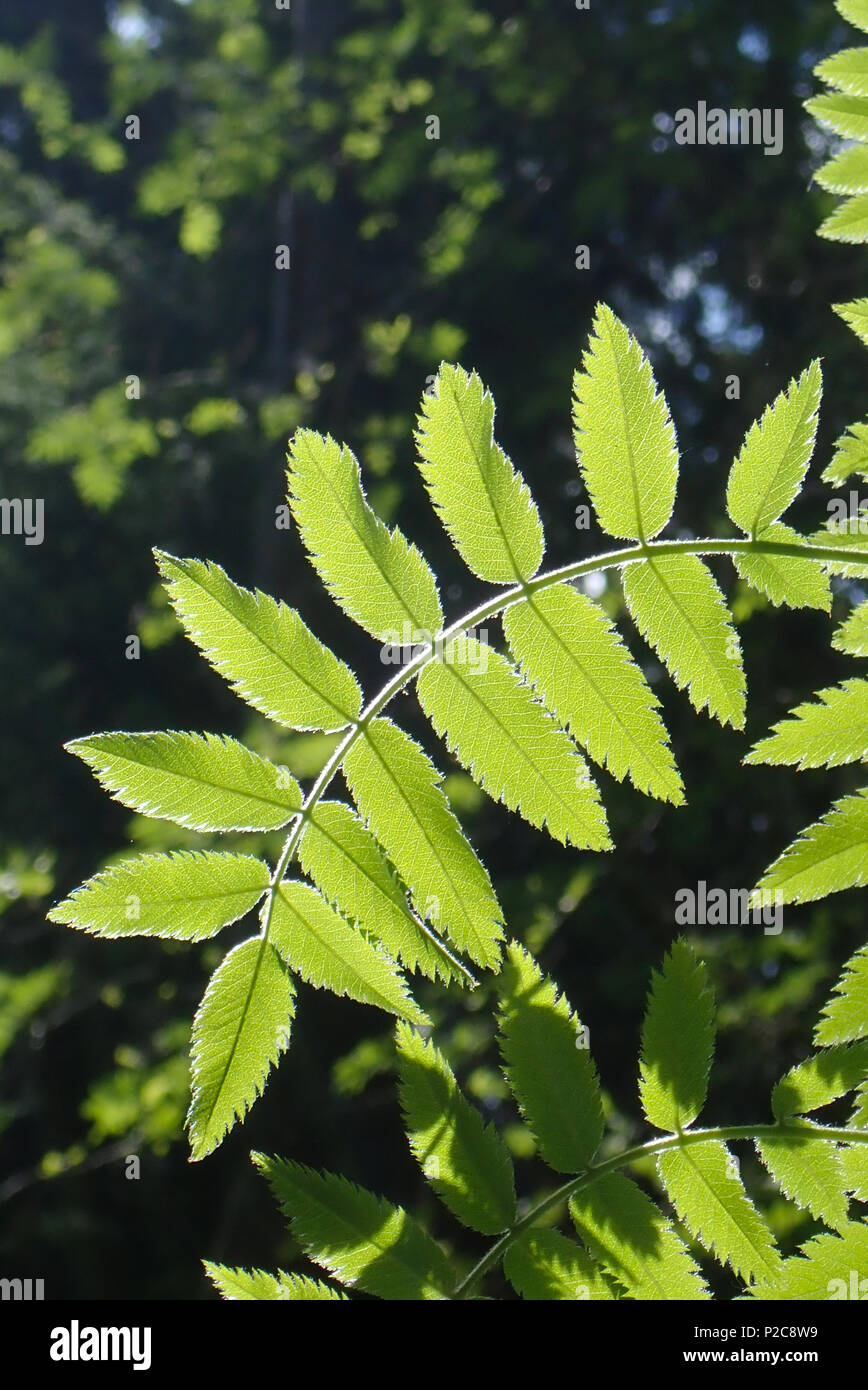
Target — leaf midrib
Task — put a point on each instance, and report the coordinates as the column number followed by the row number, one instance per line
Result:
column 265, row 945
column 281, row 611
column 241, row 792
column 332, row 953
column 760, row 1252
column 653, row 768
column 710, row 661
column 468, row 919
column 456, row 671
column 397, row 904
column 804, row 416
column 372, row 520
column 631, row 457
column 485, row 483
column 362, row 1239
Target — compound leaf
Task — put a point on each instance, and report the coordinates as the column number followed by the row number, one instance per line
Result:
column 849, row 221
column 826, row 1268
column 847, row 70
column 785, row 578
column 856, row 11
column 852, row 636
column 859, row 1114
column 855, row 315
column 847, row 172
column 851, row 536
column 854, row 1163
column 820, row 1079
column 846, row 115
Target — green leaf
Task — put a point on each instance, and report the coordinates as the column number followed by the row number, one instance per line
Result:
column 831, row 855
column 854, row 1162
column 362, row 1240
column 255, row 1284
column 827, row 1269
column 846, row 70
column 465, row 1160
column 829, row 733
column 570, row 652
column 770, row 468
column 623, row 433
column 625, row 1231
column 810, row 1172
column 510, row 744
column 851, row 455
column 548, row 1066
column 845, row 1017
column 374, row 574
column 847, row 116
column 856, row 11
column 849, row 221
column 855, row 315
column 262, row 648
column 846, row 173
column 705, row 1189
column 544, row 1265
column 187, row 895
column 679, row 609
column 850, row 535
column 852, row 636
column 202, row 781
column 482, row 501
column 677, row 1041
column 241, row 1027
column 348, row 866
column 820, row 1079
column 784, row 578
column 396, row 788
column 318, row 944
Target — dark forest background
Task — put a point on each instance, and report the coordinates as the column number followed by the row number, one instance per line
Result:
column 154, row 257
